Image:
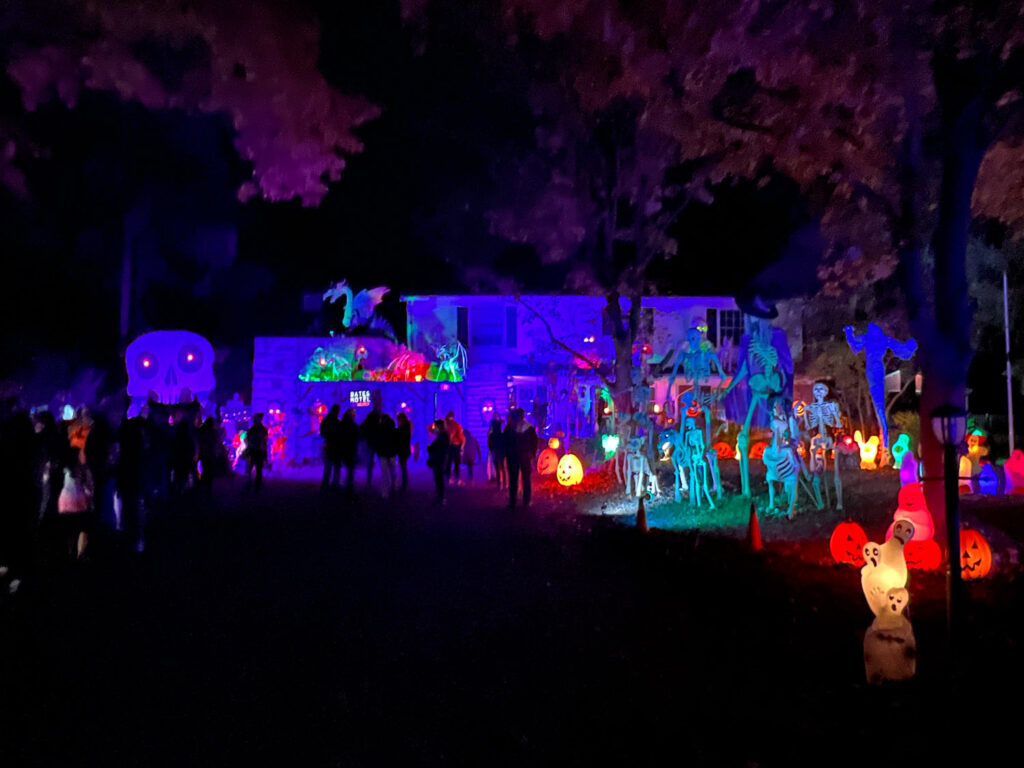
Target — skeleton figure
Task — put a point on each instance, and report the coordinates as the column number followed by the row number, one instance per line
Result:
column 823, row 416
column 695, row 456
column 673, row 447
column 700, row 362
column 637, row 468
column 760, row 366
column 875, row 344
column 781, row 460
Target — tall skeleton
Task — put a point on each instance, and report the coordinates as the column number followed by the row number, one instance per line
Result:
column 823, row 416
column 700, row 362
column 760, row 366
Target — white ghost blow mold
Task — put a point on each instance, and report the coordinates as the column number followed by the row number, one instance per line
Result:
column 885, row 567
column 170, row 367
column 890, row 649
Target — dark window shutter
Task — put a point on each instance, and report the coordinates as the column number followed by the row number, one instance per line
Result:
column 511, row 327
column 712, row 319
column 463, row 326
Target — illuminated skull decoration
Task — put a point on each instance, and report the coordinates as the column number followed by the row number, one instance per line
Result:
column 170, row 367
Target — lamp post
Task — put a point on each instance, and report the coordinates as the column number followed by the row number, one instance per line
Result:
column 949, row 424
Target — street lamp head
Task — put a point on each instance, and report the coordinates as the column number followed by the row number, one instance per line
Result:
column 949, row 424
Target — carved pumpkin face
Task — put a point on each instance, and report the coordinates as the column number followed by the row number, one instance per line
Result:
column 547, row 462
column 923, row 555
column 724, row 450
column 570, row 471
column 847, row 543
column 757, row 450
column 975, row 554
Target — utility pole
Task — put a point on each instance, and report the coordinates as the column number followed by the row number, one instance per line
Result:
column 1009, row 378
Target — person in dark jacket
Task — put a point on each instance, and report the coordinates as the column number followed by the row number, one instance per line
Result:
column 330, row 432
column 403, row 446
column 496, row 452
column 370, row 431
column 256, row 450
column 520, row 451
column 210, row 448
column 348, row 448
column 386, row 452
column 437, row 457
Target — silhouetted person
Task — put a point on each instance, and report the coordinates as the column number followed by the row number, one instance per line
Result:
column 183, row 455
column 210, row 448
column 348, row 445
column 437, row 457
column 470, row 453
column 386, row 452
column 520, row 451
column 129, row 473
column 403, row 446
column 456, row 440
column 98, row 447
column 496, row 452
column 19, row 501
column 330, row 428
column 369, row 431
column 256, row 450
column 75, row 505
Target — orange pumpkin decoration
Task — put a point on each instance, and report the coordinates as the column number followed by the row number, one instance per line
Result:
column 570, row 470
column 757, row 449
column 975, row 555
column 847, row 543
column 922, row 555
column 547, row 462
column 724, row 450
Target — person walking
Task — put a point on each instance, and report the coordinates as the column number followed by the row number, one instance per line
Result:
column 348, row 448
column 210, row 447
column 403, row 446
column 256, row 450
column 329, row 430
column 456, row 440
column 437, row 457
column 470, row 454
column 520, row 451
column 386, row 452
column 496, row 452
column 369, row 431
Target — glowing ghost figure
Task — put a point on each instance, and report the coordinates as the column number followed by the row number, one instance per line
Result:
column 912, row 507
column 170, row 367
column 890, row 649
column 868, row 450
column 899, row 450
column 1014, row 471
column 908, row 469
column 988, row 481
column 965, row 474
column 885, row 566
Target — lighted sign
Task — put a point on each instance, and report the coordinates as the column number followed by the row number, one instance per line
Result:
column 359, row 397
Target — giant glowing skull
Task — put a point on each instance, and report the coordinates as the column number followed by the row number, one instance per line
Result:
column 169, row 366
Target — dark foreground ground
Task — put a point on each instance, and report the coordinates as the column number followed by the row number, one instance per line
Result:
column 292, row 629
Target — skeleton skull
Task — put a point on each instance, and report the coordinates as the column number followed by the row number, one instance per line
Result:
column 170, row 367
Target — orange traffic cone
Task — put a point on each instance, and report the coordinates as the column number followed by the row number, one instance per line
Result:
column 641, row 514
column 754, row 531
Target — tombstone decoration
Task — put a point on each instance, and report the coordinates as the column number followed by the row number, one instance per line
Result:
column 821, row 417
column 890, row 648
column 874, row 343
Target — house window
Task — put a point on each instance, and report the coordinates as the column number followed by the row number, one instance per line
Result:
column 511, row 327
column 488, row 327
column 730, row 326
column 462, row 326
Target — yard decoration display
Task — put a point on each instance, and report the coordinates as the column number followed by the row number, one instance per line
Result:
column 900, row 449
column 847, row 543
column 923, row 555
column 757, row 450
column 359, row 307
column 874, row 343
column 570, row 470
column 885, row 567
column 890, row 648
column 673, row 448
column 975, row 555
column 724, row 450
column 913, row 507
column 326, row 365
column 1013, row 470
column 823, row 416
column 977, row 450
column 700, row 362
column 547, row 462
column 781, row 460
column 988, row 481
column 639, row 476
column 908, row 469
column 451, row 361
column 868, row 450
column 965, row 475
column 697, row 459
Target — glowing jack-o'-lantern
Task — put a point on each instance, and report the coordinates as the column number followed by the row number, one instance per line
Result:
column 724, row 450
column 913, row 507
column 899, row 450
column 847, row 543
column 570, row 471
column 757, row 450
column 547, row 462
column 975, row 554
column 923, row 555
column 868, row 450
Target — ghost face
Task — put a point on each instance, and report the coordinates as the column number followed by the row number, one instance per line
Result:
column 872, row 552
column 897, row 599
column 903, row 531
column 169, row 367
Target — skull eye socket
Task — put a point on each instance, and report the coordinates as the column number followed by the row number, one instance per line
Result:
column 190, row 358
column 147, row 365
